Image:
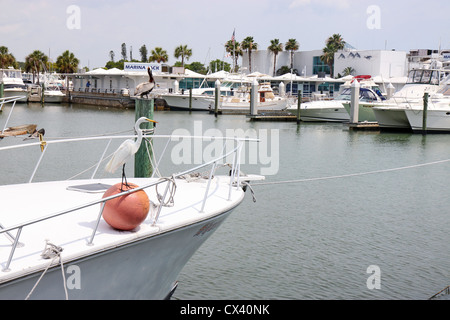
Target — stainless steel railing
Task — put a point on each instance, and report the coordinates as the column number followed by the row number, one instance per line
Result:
column 233, row 182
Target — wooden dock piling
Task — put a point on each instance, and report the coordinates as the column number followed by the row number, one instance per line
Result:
column 142, row 165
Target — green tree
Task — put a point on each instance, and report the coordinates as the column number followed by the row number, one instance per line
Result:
column 111, row 56
column 34, row 62
column 292, row 46
column 348, row 71
column 219, row 65
column 332, row 45
column 159, row 55
column 6, row 58
column 196, row 67
column 124, row 51
column 143, row 51
column 67, row 62
column 234, row 49
column 249, row 44
column 275, row 47
column 183, row 52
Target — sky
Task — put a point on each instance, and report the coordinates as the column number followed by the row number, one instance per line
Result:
column 91, row 29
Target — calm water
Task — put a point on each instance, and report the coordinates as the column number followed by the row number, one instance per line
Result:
column 313, row 239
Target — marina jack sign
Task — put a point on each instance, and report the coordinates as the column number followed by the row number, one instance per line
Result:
column 142, row 67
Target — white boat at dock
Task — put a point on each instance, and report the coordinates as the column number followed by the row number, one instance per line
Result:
column 13, row 85
column 56, row 245
column 391, row 114
column 338, row 109
column 437, row 114
column 239, row 102
column 53, row 93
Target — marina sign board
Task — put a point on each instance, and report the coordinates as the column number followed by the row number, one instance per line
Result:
column 446, row 56
column 142, row 67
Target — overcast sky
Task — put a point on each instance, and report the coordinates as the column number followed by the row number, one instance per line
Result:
column 91, row 29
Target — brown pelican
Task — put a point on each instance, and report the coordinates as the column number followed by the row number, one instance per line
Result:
column 143, row 89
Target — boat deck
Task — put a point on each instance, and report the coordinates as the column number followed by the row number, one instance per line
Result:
column 73, row 231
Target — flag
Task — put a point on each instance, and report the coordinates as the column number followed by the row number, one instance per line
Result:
column 233, row 37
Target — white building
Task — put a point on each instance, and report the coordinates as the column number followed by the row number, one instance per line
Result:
column 383, row 63
column 386, row 66
column 307, row 63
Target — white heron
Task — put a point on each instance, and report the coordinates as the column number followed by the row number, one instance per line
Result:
column 146, row 87
column 127, row 149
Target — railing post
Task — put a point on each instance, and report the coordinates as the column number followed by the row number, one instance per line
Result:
column 96, row 225
column 207, row 187
column 11, row 254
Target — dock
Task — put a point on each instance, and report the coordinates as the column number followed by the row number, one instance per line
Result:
column 272, row 116
column 365, row 125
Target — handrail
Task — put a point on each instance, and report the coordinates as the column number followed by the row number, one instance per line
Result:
column 235, row 175
column 5, row 100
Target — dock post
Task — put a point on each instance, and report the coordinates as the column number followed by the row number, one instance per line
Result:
column 142, row 165
column 354, row 102
column 190, row 99
column 424, row 114
column 299, row 103
column 42, row 93
column 216, row 97
column 254, row 98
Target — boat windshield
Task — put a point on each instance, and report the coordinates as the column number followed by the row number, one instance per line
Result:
column 344, row 95
column 367, row 95
column 364, row 95
column 423, row 77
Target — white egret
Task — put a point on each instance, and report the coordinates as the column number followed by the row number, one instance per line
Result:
column 146, row 87
column 126, row 150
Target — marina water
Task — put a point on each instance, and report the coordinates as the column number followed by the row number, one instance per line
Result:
column 341, row 204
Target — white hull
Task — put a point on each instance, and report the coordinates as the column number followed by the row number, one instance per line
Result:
column 54, row 98
column 273, row 105
column 139, row 264
column 437, row 120
column 181, row 101
column 391, row 117
column 16, row 93
column 330, row 111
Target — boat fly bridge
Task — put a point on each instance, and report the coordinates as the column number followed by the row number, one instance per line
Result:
column 54, row 231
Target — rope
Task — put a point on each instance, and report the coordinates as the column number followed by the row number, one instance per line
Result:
column 352, row 174
column 54, row 252
column 170, row 201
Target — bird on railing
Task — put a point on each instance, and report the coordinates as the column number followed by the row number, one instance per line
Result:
column 126, row 150
column 36, row 134
column 143, row 89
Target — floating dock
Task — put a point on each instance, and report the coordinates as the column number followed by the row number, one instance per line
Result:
column 272, row 116
column 366, row 125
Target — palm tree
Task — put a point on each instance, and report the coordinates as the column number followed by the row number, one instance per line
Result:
column 235, row 50
column 159, row 55
column 67, row 63
column 332, row 45
column 143, row 52
column 183, row 52
column 292, row 46
column 6, row 58
column 249, row 44
column 34, row 61
column 348, row 71
column 275, row 47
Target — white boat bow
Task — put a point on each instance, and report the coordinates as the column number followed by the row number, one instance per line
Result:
column 84, row 257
